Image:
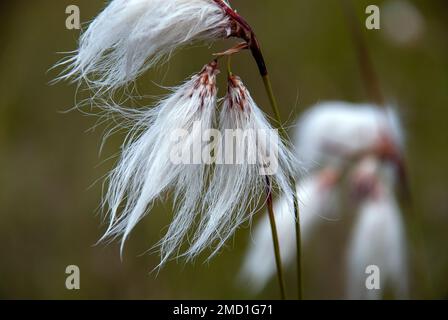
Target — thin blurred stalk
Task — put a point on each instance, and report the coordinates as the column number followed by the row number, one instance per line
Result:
column 370, row 78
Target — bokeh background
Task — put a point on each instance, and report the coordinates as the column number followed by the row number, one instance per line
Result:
column 49, row 160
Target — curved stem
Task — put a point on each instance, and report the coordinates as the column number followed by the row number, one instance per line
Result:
column 278, row 259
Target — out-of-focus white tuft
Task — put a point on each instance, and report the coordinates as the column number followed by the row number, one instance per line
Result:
column 334, row 132
column 145, row 169
column 236, row 189
column 131, row 36
column 378, row 238
column 318, row 202
column 330, row 139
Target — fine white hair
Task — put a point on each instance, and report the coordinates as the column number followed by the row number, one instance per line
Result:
column 378, row 238
column 236, row 190
column 145, row 169
column 130, row 36
column 318, row 203
column 332, row 132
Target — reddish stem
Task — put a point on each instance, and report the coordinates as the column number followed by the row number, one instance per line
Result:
column 244, row 31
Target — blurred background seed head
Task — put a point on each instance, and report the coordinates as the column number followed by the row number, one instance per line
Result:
column 49, row 159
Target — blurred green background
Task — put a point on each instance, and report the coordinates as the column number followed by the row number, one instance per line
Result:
column 49, row 159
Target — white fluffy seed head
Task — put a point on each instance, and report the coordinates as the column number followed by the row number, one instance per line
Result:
column 332, row 132
column 145, row 169
column 236, row 190
column 329, row 136
column 131, row 36
column 378, row 238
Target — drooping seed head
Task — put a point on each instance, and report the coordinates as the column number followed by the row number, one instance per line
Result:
column 238, row 185
column 146, row 170
column 131, row 36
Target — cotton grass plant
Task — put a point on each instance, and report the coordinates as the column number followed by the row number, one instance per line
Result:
column 211, row 200
column 354, row 159
column 358, row 144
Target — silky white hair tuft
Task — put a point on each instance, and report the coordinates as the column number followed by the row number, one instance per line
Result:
column 236, row 190
column 145, row 169
column 130, row 36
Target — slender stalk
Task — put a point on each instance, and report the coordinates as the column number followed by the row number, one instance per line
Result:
column 229, row 65
column 283, row 133
column 278, row 259
column 259, row 59
column 370, row 77
column 299, row 248
column 274, row 104
column 275, row 109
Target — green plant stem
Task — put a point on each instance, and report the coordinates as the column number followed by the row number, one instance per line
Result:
column 274, row 104
column 229, row 65
column 299, row 247
column 283, row 133
column 278, row 259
